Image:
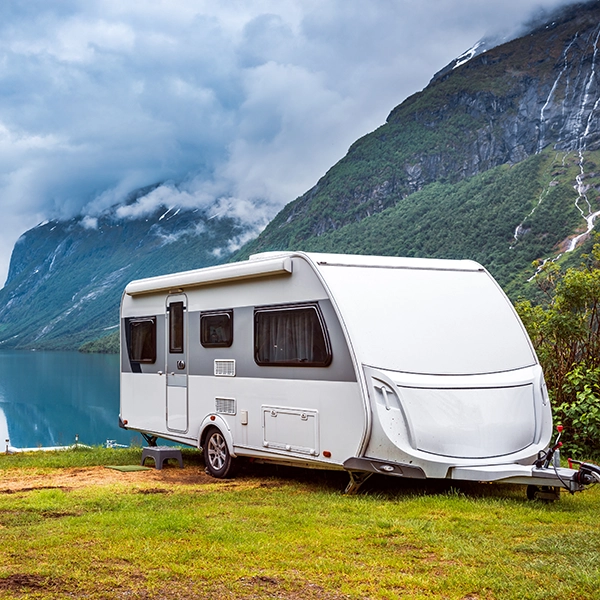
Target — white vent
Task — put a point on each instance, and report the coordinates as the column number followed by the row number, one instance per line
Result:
column 225, row 368
column 225, row 406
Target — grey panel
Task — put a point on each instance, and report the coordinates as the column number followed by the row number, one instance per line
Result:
column 374, row 465
column 302, row 287
column 175, row 380
column 201, row 360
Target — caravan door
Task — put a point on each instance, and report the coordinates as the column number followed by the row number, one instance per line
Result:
column 177, row 367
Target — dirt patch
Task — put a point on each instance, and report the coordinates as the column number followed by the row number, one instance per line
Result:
column 66, row 479
column 261, row 586
column 153, row 491
column 30, row 489
column 25, row 582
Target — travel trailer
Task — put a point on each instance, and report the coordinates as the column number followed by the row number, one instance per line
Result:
column 414, row 368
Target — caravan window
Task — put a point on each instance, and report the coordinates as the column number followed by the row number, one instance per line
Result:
column 176, row 327
column 142, row 340
column 292, row 336
column 216, row 329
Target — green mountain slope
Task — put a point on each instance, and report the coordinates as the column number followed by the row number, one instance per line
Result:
column 475, row 218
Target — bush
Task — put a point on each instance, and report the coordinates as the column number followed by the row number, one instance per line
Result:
column 565, row 331
column 580, row 412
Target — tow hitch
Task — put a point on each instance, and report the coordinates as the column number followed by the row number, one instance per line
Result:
column 544, row 479
column 573, row 480
column 586, row 474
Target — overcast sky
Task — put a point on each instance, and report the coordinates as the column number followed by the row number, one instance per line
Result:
column 234, row 99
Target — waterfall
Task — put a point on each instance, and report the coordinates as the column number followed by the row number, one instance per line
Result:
column 551, row 94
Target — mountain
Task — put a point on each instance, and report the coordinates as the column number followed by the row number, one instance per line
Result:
column 66, row 278
column 496, row 160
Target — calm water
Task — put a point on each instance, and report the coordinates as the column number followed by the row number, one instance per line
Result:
column 46, row 398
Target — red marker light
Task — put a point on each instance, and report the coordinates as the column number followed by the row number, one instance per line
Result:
column 559, row 428
column 212, row 417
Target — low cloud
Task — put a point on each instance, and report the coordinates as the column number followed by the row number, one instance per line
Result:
column 241, row 105
column 89, row 222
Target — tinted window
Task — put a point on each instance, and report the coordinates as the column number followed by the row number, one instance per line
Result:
column 142, row 340
column 293, row 336
column 216, row 329
column 176, row 327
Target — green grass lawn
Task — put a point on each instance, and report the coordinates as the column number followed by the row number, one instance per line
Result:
column 287, row 533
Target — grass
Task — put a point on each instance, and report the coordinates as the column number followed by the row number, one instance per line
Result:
column 83, row 456
column 287, row 533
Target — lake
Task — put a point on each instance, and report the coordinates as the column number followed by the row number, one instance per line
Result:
column 47, row 398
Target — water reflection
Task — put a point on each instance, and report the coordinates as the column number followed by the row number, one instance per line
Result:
column 46, row 398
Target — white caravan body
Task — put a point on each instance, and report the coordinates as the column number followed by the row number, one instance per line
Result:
column 402, row 366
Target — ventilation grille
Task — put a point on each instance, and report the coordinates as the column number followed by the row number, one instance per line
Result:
column 225, row 406
column 225, row 368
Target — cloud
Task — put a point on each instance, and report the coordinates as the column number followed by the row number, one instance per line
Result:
column 245, row 104
column 89, row 222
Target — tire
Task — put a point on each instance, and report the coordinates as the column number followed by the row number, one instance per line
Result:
column 217, row 459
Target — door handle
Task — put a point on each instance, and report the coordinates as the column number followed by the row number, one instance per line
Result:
column 181, row 364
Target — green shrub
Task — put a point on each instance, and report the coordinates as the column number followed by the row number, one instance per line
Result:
column 580, row 412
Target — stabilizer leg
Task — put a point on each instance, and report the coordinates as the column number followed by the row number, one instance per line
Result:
column 150, row 439
column 357, row 478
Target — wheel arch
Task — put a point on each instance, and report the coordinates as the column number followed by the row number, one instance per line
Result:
column 218, row 423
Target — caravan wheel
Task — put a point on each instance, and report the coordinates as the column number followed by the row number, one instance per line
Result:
column 217, row 459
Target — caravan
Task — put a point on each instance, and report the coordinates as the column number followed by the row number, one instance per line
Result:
column 415, row 368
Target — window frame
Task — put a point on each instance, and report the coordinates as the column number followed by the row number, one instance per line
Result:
column 214, row 313
column 131, row 322
column 322, row 327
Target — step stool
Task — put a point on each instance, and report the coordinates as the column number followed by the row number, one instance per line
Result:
column 160, row 454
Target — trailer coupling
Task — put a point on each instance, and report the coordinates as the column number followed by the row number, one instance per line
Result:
column 543, row 479
column 587, row 474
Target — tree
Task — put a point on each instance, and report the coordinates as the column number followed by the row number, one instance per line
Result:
column 565, row 331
